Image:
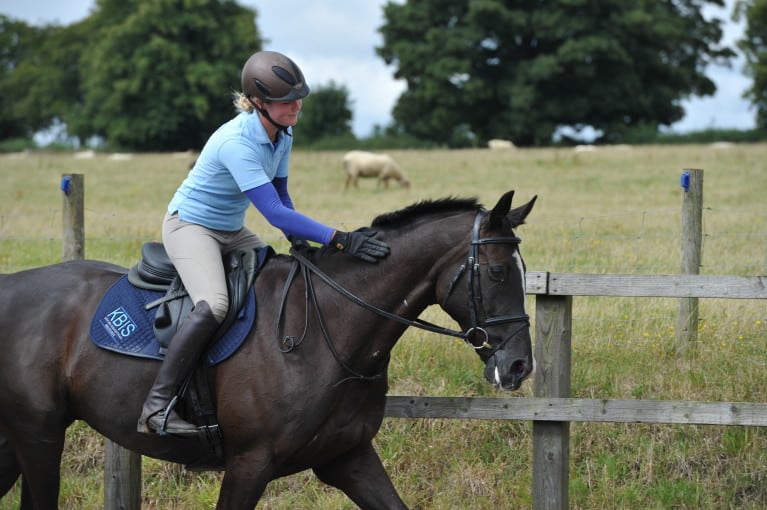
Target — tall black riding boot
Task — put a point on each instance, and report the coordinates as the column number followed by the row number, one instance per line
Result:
column 186, row 347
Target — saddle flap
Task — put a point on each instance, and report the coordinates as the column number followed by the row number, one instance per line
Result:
column 241, row 267
column 172, row 310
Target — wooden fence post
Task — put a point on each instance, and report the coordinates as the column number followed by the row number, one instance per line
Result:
column 73, row 216
column 551, row 439
column 122, row 468
column 122, row 478
column 692, row 234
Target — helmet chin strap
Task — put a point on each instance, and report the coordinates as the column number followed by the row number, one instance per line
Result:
column 268, row 117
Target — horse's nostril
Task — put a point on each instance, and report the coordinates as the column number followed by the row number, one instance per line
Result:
column 519, row 368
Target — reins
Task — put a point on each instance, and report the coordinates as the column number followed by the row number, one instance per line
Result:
column 288, row 342
column 479, row 322
column 418, row 323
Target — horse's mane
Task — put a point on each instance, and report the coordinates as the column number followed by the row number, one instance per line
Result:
column 417, row 211
column 426, row 207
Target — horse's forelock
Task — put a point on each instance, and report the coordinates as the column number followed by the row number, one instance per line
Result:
column 426, row 207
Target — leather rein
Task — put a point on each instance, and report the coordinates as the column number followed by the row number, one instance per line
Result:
column 478, row 319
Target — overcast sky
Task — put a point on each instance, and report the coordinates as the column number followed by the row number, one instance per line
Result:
column 335, row 40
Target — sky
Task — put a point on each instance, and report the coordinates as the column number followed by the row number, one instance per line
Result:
column 336, row 40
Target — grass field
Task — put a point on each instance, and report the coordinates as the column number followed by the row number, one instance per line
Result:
column 614, row 210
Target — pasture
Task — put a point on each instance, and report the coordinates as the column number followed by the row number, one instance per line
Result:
column 612, row 210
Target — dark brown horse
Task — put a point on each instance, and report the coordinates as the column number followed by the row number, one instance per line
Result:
column 317, row 406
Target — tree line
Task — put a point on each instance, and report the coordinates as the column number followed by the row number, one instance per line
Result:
column 158, row 76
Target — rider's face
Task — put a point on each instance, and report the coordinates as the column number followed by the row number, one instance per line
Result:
column 284, row 113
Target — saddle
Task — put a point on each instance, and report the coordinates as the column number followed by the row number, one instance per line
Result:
column 156, row 272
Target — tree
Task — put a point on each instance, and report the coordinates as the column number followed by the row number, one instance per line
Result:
column 37, row 81
column 754, row 47
column 326, row 113
column 520, row 69
column 13, row 35
column 159, row 75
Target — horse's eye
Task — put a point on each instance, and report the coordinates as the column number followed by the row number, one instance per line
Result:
column 497, row 273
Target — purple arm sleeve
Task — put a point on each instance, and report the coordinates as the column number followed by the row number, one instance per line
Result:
column 281, row 185
column 267, row 201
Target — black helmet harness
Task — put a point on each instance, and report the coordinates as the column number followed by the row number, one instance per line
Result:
column 268, row 117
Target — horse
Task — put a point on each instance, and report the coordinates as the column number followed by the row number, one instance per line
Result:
column 306, row 390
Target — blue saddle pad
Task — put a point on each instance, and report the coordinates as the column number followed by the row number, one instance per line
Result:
column 122, row 324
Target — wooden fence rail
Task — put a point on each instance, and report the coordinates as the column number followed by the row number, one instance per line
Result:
column 579, row 410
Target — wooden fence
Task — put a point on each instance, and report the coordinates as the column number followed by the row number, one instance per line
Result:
column 551, row 409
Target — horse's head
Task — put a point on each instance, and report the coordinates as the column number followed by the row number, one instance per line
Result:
column 485, row 294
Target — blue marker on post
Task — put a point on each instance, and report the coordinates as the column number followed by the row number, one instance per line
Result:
column 684, row 181
column 65, row 181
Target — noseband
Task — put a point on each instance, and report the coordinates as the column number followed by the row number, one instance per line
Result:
column 479, row 320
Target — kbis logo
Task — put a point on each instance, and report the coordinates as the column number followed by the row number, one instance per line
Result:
column 118, row 323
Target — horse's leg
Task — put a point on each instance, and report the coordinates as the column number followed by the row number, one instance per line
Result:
column 9, row 467
column 10, row 470
column 362, row 477
column 26, row 496
column 245, row 480
column 41, row 470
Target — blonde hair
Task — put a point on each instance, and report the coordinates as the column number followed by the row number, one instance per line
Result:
column 242, row 103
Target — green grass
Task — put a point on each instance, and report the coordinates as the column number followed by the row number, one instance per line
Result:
column 616, row 210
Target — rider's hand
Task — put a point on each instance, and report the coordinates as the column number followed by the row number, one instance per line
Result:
column 361, row 244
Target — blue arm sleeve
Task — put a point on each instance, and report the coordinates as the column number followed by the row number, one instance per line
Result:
column 281, row 185
column 267, row 201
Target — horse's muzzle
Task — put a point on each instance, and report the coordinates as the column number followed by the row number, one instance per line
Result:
column 508, row 376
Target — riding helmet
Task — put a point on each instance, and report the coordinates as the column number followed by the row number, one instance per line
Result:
column 271, row 76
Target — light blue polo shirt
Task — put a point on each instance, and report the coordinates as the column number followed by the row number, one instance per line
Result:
column 238, row 156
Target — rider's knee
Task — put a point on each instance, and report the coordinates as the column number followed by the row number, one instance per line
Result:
column 219, row 307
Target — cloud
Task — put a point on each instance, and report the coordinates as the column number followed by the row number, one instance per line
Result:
column 335, row 40
column 372, row 91
column 725, row 110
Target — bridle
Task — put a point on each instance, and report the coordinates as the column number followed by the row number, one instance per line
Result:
column 478, row 319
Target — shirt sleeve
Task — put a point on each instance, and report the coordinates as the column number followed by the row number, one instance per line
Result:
column 244, row 164
column 267, row 200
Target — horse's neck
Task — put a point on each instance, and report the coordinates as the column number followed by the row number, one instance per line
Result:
column 403, row 284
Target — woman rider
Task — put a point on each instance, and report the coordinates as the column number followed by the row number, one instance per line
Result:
column 244, row 162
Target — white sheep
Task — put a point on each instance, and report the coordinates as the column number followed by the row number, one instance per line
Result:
column 497, row 144
column 367, row 164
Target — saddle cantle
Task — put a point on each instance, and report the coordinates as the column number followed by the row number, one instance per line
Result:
column 154, row 271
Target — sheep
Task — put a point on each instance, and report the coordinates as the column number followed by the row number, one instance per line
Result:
column 367, row 164
column 497, row 144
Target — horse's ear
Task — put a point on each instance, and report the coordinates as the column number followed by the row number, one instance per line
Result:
column 501, row 209
column 517, row 215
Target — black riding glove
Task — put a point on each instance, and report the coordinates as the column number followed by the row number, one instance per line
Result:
column 361, row 244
